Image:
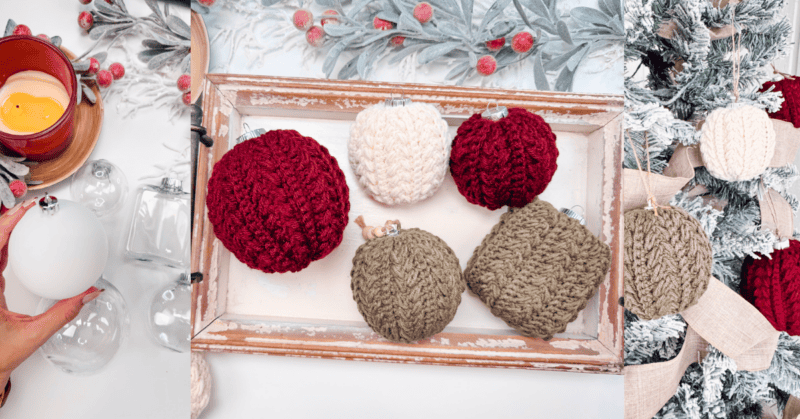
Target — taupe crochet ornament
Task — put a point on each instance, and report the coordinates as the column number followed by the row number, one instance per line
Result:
column 667, row 261
column 407, row 283
column 537, row 269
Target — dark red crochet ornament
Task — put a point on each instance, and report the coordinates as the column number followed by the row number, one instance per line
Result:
column 278, row 201
column 505, row 162
column 790, row 110
column 773, row 287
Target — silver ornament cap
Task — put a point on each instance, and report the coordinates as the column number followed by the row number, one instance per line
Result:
column 250, row 134
column 572, row 214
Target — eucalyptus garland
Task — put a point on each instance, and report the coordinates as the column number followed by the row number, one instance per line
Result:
column 385, row 32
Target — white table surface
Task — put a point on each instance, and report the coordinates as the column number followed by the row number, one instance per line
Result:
column 258, row 386
column 144, row 380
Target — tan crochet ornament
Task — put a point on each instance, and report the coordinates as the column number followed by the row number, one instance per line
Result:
column 537, row 269
column 667, row 261
column 407, row 283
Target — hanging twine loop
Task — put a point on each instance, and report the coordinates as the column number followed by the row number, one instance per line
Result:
column 391, row 228
column 652, row 202
column 735, row 50
column 785, row 75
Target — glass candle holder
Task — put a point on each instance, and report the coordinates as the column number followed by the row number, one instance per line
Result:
column 160, row 227
column 20, row 53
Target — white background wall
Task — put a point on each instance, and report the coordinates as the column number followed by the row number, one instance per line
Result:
column 282, row 387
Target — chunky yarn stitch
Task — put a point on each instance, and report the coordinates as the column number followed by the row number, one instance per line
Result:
column 737, row 143
column 790, row 109
column 537, row 269
column 278, row 201
column 408, row 286
column 773, row 287
column 399, row 154
column 667, row 262
column 505, row 162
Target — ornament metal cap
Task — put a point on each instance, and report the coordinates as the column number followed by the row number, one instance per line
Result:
column 250, row 134
column 496, row 113
column 171, row 184
column 780, row 245
column 393, row 103
column 49, row 204
column 572, row 214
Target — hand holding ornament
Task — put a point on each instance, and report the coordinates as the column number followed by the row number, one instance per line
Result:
column 21, row 335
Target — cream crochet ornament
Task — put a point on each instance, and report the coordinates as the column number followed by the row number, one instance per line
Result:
column 737, row 143
column 200, row 384
column 399, row 153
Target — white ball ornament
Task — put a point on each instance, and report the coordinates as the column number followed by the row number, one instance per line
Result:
column 58, row 249
column 399, row 151
column 737, row 143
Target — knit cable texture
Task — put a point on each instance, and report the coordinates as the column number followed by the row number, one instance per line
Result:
column 278, row 201
column 773, row 287
column 399, row 154
column 504, row 162
column 200, row 384
column 737, row 143
column 407, row 287
column 790, row 109
column 537, row 269
column 667, row 262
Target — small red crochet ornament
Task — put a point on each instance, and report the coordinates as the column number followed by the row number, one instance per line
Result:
column 508, row 161
column 790, row 109
column 278, row 201
column 773, row 287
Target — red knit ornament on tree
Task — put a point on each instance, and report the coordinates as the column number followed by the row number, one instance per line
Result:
column 773, row 287
column 504, row 162
column 790, row 110
column 278, row 201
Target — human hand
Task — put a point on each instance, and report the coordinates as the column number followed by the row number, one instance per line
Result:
column 20, row 334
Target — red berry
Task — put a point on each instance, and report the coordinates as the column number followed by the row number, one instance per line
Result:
column 104, row 78
column 184, row 83
column 397, row 40
column 117, row 70
column 486, row 65
column 522, row 42
column 22, row 30
column 43, row 36
column 423, row 12
column 94, row 65
column 382, row 25
column 496, row 45
column 303, row 19
column 315, row 36
column 187, row 98
column 18, row 188
column 207, row 3
column 110, row 1
column 333, row 20
column 85, row 20
column 85, row 1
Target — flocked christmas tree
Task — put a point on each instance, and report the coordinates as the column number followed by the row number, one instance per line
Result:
column 679, row 67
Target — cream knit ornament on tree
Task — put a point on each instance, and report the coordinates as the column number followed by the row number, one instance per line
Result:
column 399, row 153
column 737, row 143
column 200, row 384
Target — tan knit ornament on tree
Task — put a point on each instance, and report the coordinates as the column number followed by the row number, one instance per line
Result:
column 667, row 261
column 737, row 143
column 537, row 269
column 407, row 283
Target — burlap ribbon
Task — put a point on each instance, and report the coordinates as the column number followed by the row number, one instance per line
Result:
column 721, row 317
column 750, row 340
column 668, row 28
column 792, row 409
column 776, row 213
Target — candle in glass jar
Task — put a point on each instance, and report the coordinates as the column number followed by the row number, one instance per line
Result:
column 31, row 101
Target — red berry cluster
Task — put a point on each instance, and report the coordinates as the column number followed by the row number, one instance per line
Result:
column 25, row 30
column 303, row 20
column 520, row 43
column 185, row 86
column 104, row 77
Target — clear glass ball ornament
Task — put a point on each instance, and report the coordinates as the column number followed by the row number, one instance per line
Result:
column 101, row 186
column 170, row 315
column 87, row 343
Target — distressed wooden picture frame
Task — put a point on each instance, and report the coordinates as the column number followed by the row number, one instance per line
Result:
column 228, row 98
